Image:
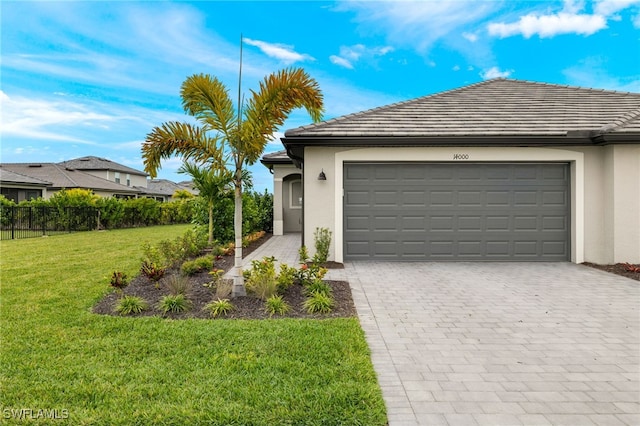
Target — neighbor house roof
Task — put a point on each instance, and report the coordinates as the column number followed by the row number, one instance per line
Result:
column 8, row 176
column 62, row 177
column 96, row 163
column 494, row 112
column 167, row 187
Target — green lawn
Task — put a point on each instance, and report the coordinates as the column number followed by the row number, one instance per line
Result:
column 56, row 355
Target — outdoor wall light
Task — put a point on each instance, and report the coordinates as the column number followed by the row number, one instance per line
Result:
column 322, row 176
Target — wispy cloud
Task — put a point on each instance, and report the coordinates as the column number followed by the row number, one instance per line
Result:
column 281, row 52
column 470, row 36
column 342, row 62
column 349, row 55
column 495, row 72
column 593, row 72
column 417, row 24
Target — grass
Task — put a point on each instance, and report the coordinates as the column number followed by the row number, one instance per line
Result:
column 104, row 370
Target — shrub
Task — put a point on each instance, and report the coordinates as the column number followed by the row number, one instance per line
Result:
column 219, row 307
column 174, row 304
column 303, row 254
column 191, row 267
column 318, row 303
column 178, row 285
column 262, row 278
column 322, row 239
column 223, row 289
column 309, row 273
column 275, row 305
column 286, row 277
column 131, row 305
column 318, row 286
column 152, row 270
column 119, row 280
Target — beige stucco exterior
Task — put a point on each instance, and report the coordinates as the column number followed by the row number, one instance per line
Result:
column 280, row 173
column 605, row 191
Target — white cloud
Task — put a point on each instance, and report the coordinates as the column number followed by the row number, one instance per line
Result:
column 456, row 68
column 609, row 7
column 549, row 25
column 337, row 60
column 351, row 54
column 495, row 72
column 636, row 21
column 281, row 52
column 570, row 20
column 275, row 138
column 470, row 36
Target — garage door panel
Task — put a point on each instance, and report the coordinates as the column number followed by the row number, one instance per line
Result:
column 456, row 211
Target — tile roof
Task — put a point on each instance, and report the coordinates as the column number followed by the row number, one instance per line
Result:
column 498, row 107
column 61, row 177
column 278, row 157
column 167, row 187
column 96, row 163
column 9, row 176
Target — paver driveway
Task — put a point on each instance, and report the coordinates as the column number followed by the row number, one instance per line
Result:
column 501, row 343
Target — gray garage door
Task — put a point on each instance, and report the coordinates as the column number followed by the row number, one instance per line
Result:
column 442, row 211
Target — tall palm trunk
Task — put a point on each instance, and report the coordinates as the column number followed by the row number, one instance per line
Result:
column 210, row 223
column 238, row 288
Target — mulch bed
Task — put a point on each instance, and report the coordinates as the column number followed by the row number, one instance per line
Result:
column 618, row 269
column 244, row 307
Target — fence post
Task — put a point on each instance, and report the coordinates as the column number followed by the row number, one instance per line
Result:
column 13, row 222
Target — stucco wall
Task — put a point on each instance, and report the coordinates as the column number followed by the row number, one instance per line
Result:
column 280, row 171
column 605, row 211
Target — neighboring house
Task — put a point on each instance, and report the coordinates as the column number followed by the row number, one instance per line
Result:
column 163, row 189
column 18, row 187
column 60, row 177
column 109, row 170
column 502, row 170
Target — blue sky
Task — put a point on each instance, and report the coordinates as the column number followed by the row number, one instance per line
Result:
column 93, row 78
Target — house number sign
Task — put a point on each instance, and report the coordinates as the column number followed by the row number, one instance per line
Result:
column 460, row 156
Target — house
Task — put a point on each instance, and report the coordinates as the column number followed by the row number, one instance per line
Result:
column 57, row 177
column 109, row 170
column 18, row 187
column 502, row 170
column 163, row 189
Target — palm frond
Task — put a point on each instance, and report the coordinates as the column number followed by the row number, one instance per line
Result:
column 182, row 139
column 269, row 107
column 207, row 98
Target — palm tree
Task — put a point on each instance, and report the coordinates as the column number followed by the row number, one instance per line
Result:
column 211, row 184
column 231, row 137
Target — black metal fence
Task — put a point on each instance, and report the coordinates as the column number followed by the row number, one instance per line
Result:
column 27, row 222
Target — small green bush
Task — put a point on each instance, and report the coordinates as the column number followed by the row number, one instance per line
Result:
column 318, row 286
column 275, row 305
column 309, row 273
column 131, row 305
column 286, row 277
column 174, row 304
column 152, row 270
column 303, row 254
column 119, row 280
column 192, row 267
column 219, row 307
column 262, row 280
column 318, row 303
column 322, row 240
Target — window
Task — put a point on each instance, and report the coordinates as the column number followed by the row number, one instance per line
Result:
column 295, row 194
column 117, row 175
column 33, row 194
column 128, row 179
